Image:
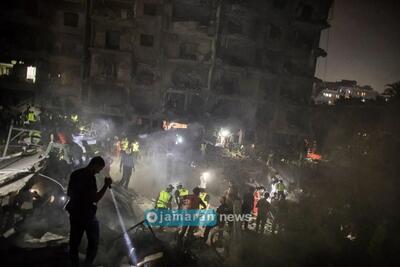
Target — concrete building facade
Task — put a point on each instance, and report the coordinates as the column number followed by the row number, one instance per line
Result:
column 251, row 62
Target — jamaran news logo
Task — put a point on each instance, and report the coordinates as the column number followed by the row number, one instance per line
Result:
column 176, row 218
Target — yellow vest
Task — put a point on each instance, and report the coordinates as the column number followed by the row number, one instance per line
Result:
column 183, row 192
column 163, row 199
column 31, row 116
column 202, row 196
column 35, row 134
column 124, row 144
column 135, row 147
column 280, row 187
column 74, row 117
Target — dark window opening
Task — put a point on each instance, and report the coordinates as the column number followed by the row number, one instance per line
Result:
column 279, row 4
column 71, row 19
column 304, row 12
column 188, row 51
column 145, row 77
column 175, row 102
column 150, row 9
column 32, row 8
column 234, row 28
column 274, row 32
column 146, row 40
column 112, row 40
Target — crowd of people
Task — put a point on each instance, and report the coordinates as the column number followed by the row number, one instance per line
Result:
column 260, row 206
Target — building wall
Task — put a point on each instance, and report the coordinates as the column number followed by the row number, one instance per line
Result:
column 48, row 36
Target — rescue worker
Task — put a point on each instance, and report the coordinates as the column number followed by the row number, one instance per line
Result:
column 74, row 118
column 280, row 188
column 205, row 198
column 281, row 215
column 263, row 211
column 30, row 116
column 180, row 193
column 35, row 137
column 124, row 144
column 82, row 190
column 222, row 209
column 126, row 166
column 117, row 147
column 190, row 202
column 256, row 198
column 164, row 199
column 247, row 205
column 135, row 147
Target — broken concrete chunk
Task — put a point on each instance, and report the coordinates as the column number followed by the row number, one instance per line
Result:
column 9, row 233
column 50, row 237
column 27, row 205
column 5, row 201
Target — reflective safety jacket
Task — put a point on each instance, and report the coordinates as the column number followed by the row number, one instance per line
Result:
column 183, row 192
column 203, row 197
column 35, row 134
column 135, row 147
column 163, row 200
column 74, row 117
column 124, row 144
column 280, row 187
column 31, row 117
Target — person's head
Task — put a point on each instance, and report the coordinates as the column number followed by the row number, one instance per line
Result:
column 170, row 188
column 281, row 181
column 196, row 191
column 96, row 164
column 179, row 186
column 266, row 195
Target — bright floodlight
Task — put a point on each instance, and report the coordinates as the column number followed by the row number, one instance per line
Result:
column 179, row 139
column 206, row 175
column 224, row 132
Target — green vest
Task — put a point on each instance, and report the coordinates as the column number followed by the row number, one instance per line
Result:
column 163, row 199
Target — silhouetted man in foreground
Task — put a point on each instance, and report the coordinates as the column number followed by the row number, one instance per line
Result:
column 82, row 190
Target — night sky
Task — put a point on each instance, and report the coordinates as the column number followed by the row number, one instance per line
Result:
column 363, row 43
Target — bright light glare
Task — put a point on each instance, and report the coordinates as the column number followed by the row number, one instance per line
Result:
column 31, row 73
column 128, row 242
column 63, row 198
column 179, row 139
column 206, row 175
column 224, row 132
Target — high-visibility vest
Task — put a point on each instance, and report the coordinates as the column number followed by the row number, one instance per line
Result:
column 135, row 147
column 74, row 117
column 31, row 116
column 35, row 134
column 183, row 192
column 163, row 199
column 280, row 187
column 124, row 144
column 203, row 196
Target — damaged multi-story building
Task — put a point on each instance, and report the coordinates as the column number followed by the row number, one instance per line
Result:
column 246, row 61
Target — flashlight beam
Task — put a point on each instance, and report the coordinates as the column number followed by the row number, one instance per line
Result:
column 128, row 242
